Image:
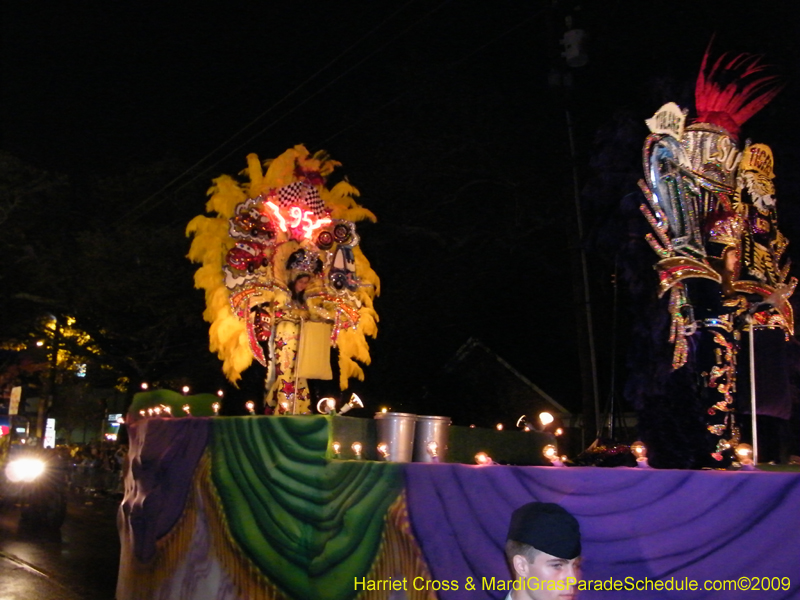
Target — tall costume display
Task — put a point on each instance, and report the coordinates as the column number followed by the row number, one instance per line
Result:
column 711, row 206
column 284, row 277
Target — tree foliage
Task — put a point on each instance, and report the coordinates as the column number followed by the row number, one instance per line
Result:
column 126, row 288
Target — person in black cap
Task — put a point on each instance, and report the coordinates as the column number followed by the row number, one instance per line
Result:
column 543, row 549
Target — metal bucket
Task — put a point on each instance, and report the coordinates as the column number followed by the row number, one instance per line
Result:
column 430, row 431
column 396, row 430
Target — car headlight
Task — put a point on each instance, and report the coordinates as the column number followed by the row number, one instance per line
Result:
column 24, row 469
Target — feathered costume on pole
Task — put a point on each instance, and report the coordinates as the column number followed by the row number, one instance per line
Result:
column 705, row 231
column 283, row 275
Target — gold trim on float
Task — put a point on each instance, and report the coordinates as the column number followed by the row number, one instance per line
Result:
column 142, row 580
column 675, row 269
column 786, row 312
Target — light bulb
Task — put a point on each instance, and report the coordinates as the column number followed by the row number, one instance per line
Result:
column 326, row 406
column 545, row 418
column 356, row 447
column 744, row 453
column 481, row 458
column 639, row 450
column 383, row 449
column 432, row 449
column 550, row 452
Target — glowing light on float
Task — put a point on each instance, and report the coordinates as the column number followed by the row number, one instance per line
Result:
column 383, row 450
column 433, row 451
column 326, row 406
column 483, row 459
column 550, row 452
column 639, row 451
column 356, row 447
column 744, row 454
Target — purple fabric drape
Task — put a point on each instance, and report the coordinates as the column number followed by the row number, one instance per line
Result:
column 163, row 456
column 656, row 524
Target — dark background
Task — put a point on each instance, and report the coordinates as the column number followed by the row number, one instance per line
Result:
column 448, row 116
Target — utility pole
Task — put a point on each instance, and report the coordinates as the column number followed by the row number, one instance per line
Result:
column 46, row 401
column 575, row 56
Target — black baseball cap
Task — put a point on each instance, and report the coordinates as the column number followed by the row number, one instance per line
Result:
column 547, row 527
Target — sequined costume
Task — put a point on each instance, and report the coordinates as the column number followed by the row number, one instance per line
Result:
column 284, row 276
column 720, row 254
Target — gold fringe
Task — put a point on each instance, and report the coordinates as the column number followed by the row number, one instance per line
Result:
column 248, row 579
column 143, row 580
column 399, row 556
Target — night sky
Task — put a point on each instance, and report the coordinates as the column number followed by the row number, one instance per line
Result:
column 442, row 115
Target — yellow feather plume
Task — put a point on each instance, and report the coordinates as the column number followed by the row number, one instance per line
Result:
column 211, row 242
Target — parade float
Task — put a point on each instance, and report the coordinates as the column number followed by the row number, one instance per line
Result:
column 298, row 506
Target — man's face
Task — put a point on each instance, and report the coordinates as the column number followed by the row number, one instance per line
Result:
column 545, row 569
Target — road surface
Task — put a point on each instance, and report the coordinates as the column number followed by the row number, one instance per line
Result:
column 80, row 562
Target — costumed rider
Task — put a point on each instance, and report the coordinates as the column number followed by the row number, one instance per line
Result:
column 543, row 551
column 765, row 283
column 284, row 276
column 703, row 234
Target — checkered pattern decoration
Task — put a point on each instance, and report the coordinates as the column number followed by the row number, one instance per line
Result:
column 300, row 193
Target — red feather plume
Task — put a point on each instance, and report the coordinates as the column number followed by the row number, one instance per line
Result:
column 733, row 89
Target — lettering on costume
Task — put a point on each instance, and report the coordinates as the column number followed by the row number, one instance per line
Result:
column 724, row 152
column 760, row 160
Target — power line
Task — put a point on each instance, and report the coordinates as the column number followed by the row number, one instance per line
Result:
column 143, row 207
column 308, row 98
column 374, row 111
column 154, row 200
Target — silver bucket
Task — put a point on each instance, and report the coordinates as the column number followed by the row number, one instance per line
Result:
column 430, row 442
column 396, row 431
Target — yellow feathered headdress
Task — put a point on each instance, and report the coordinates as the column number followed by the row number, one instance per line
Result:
column 212, row 242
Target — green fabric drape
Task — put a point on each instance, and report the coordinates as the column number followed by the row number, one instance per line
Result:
column 309, row 525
